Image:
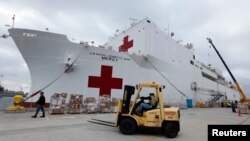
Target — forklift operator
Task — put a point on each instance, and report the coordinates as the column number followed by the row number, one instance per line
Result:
column 153, row 101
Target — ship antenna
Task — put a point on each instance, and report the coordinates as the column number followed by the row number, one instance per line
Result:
column 13, row 21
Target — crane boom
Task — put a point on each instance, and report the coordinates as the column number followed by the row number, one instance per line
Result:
column 243, row 97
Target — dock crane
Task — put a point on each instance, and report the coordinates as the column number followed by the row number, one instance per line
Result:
column 243, row 97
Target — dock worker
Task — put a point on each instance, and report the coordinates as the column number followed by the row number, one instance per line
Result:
column 40, row 103
column 233, row 107
column 153, row 102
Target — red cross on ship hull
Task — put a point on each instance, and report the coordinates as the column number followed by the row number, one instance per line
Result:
column 105, row 82
column 126, row 45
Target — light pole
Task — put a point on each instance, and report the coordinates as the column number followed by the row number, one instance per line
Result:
column 21, row 88
column 1, row 77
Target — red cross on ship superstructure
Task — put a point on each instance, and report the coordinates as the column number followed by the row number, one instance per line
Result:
column 105, row 82
column 126, row 45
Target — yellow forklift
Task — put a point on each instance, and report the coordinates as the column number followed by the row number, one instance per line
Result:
column 167, row 120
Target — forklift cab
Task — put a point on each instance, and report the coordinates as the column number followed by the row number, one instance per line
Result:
column 127, row 103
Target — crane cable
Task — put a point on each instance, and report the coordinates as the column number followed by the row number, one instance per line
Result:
column 49, row 84
column 146, row 59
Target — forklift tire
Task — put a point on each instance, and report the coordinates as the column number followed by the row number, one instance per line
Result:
column 128, row 126
column 171, row 130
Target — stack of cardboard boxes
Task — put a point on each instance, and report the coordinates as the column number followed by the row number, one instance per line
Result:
column 75, row 104
column 104, row 105
column 90, row 100
column 114, row 103
column 57, row 103
column 90, row 105
column 200, row 104
column 244, row 108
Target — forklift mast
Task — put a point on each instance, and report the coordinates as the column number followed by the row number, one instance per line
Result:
column 128, row 92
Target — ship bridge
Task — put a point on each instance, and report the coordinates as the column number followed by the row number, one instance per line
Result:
column 145, row 38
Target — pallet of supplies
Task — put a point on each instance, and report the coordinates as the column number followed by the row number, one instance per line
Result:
column 104, row 105
column 90, row 100
column 90, row 105
column 200, row 104
column 114, row 103
column 75, row 104
column 57, row 103
column 244, row 108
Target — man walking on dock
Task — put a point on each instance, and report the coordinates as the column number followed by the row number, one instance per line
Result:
column 40, row 103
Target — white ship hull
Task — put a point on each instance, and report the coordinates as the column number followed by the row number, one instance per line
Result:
column 104, row 71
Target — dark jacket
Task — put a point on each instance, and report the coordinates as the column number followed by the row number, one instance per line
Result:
column 41, row 100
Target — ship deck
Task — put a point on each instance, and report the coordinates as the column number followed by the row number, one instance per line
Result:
column 75, row 127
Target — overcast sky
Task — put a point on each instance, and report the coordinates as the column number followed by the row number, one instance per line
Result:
column 226, row 22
